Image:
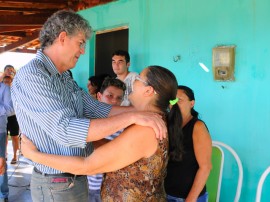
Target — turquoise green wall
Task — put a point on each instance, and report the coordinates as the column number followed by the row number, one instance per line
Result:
column 237, row 113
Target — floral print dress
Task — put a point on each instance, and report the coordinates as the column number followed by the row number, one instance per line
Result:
column 140, row 181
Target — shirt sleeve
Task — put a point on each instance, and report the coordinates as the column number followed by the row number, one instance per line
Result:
column 38, row 100
column 93, row 108
column 6, row 108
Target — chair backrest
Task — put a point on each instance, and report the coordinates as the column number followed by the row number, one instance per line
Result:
column 260, row 184
column 213, row 183
column 240, row 167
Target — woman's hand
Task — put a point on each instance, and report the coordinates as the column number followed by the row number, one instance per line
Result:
column 154, row 121
column 27, row 147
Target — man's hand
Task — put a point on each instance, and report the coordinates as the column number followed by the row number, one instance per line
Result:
column 152, row 120
column 2, row 166
column 27, row 147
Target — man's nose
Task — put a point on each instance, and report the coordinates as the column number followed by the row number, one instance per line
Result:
column 82, row 50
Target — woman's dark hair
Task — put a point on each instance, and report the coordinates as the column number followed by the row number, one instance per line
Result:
column 165, row 84
column 190, row 94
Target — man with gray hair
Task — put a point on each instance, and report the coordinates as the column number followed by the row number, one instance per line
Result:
column 57, row 115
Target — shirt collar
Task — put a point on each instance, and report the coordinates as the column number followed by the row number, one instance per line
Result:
column 48, row 63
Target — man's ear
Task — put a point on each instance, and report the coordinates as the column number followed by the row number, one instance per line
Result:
column 128, row 64
column 99, row 96
column 62, row 37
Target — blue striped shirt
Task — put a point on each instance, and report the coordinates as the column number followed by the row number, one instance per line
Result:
column 95, row 181
column 6, row 107
column 53, row 111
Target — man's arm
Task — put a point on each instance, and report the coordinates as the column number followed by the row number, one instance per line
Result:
column 100, row 128
column 119, row 117
column 126, row 149
column 121, row 109
column 6, row 108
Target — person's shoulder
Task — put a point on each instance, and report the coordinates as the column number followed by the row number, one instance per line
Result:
column 4, row 89
column 133, row 73
column 30, row 67
column 4, row 86
column 200, row 128
column 140, row 131
column 130, row 78
column 199, row 123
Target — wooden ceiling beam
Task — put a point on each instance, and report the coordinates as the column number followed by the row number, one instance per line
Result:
column 6, row 29
column 17, row 34
column 26, row 2
column 25, row 40
column 84, row 4
column 34, row 5
column 23, row 50
column 19, row 18
column 34, row 1
column 22, row 9
column 23, row 20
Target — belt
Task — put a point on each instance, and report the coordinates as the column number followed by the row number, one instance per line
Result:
column 56, row 175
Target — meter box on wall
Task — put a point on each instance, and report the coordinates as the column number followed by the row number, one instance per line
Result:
column 223, row 63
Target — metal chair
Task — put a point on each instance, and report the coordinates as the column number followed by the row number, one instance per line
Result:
column 260, row 184
column 213, row 183
column 240, row 169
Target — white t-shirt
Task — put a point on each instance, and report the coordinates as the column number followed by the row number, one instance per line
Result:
column 130, row 78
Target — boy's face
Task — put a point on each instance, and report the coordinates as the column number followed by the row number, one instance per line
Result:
column 112, row 95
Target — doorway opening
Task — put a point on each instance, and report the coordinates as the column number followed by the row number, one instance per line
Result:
column 106, row 43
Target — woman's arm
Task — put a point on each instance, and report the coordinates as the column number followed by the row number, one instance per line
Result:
column 203, row 149
column 121, row 109
column 126, row 149
column 100, row 128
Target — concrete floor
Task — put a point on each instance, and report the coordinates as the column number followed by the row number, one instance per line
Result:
column 18, row 178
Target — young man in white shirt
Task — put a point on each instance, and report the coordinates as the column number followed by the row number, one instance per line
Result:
column 120, row 65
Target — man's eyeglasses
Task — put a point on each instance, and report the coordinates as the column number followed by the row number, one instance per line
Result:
column 82, row 45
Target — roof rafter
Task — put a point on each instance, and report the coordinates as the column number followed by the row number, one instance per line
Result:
column 19, row 43
column 23, row 20
column 20, row 18
column 5, row 29
column 23, row 10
